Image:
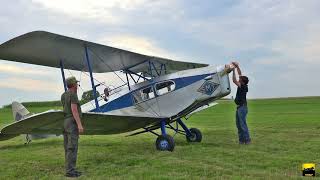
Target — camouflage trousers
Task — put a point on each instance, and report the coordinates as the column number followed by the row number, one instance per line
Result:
column 70, row 136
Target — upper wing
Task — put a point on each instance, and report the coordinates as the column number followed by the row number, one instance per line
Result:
column 51, row 122
column 47, row 49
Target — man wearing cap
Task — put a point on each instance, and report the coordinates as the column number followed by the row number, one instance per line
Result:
column 72, row 126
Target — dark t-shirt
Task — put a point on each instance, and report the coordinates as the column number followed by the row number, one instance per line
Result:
column 68, row 98
column 241, row 97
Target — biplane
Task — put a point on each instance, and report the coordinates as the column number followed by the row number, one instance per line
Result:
column 157, row 94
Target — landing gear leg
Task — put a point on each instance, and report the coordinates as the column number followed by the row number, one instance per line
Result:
column 164, row 142
column 193, row 134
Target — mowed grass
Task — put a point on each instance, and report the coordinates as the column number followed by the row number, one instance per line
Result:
column 285, row 133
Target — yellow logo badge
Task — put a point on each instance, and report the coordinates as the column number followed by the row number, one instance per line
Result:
column 308, row 169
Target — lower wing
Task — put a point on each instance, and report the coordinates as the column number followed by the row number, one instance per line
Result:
column 51, row 122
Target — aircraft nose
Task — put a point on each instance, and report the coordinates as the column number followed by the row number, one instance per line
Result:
column 227, row 69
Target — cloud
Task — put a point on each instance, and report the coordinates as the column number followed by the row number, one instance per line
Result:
column 304, row 48
column 137, row 44
column 102, row 11
column 274, row 41
column 258, row 25
column 16, row 69
column 294, row 51
column 31, row 85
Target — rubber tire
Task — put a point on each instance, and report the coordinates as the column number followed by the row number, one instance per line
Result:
column 168, row 140
column 197, row 136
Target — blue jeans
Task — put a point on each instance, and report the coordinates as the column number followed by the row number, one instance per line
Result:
column 241, row 121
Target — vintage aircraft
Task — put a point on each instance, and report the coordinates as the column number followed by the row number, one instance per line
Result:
column 161, row 92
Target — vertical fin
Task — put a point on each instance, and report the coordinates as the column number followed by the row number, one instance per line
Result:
column 19, row 112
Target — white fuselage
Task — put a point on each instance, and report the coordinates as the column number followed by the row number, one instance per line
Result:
column 176, row 94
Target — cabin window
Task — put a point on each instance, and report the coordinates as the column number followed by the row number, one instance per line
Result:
column 143, row 94
column 164, row 87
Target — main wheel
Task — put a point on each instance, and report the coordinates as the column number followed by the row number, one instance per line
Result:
column 196, row 135
column 165, row 143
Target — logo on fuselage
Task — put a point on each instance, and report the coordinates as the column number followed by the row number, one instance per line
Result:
column 208, row 87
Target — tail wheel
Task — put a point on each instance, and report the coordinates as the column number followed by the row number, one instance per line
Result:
column 165, row 143
column 196, row 135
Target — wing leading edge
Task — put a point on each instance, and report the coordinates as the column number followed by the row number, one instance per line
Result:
column 51, row 122
column 48, row 49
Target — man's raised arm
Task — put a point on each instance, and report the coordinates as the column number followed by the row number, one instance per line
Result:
column 238, row 69
column 234, row 78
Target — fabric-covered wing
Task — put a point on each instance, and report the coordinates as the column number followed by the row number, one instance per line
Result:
column 47, row 49
column 51, row 122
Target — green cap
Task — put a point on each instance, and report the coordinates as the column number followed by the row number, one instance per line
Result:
column 71, row 80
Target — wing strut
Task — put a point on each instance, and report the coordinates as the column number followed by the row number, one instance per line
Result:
column 63, row 77
column 91, row 78
column 153, row 71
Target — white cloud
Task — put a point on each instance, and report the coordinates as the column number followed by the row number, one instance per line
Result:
column 103, row 11
column 295, row 50
column 116, row 12
column 136, row 44
column 304, row 48
column 271, row 34
column 258, row 24
column 15, row 69
column 245, row 26
column 31, row 85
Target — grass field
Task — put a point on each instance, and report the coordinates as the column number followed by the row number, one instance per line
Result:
column 285, row 134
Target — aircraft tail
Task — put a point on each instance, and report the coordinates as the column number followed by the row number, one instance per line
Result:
column 19, row 112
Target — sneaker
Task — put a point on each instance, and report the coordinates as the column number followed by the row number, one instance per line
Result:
column 247, row 142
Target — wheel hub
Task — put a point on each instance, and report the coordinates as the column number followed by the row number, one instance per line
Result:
column 193, row 137
column 164, row 144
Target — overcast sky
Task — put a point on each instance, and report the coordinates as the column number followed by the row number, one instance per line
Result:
column 277, row 42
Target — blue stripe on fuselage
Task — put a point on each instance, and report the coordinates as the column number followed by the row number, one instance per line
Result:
column 126, row 100
column 186, row 81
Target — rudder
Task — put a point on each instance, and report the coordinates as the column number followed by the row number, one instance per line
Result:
column 19, row 112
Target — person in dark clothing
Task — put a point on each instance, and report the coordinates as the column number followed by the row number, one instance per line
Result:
column 241, row 102
column 72, row 126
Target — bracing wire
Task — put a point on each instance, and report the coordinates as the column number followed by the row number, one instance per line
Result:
column 87, row 74
column 155, row 113
column 65, row 61
column 150, row 107
column 106, row 65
